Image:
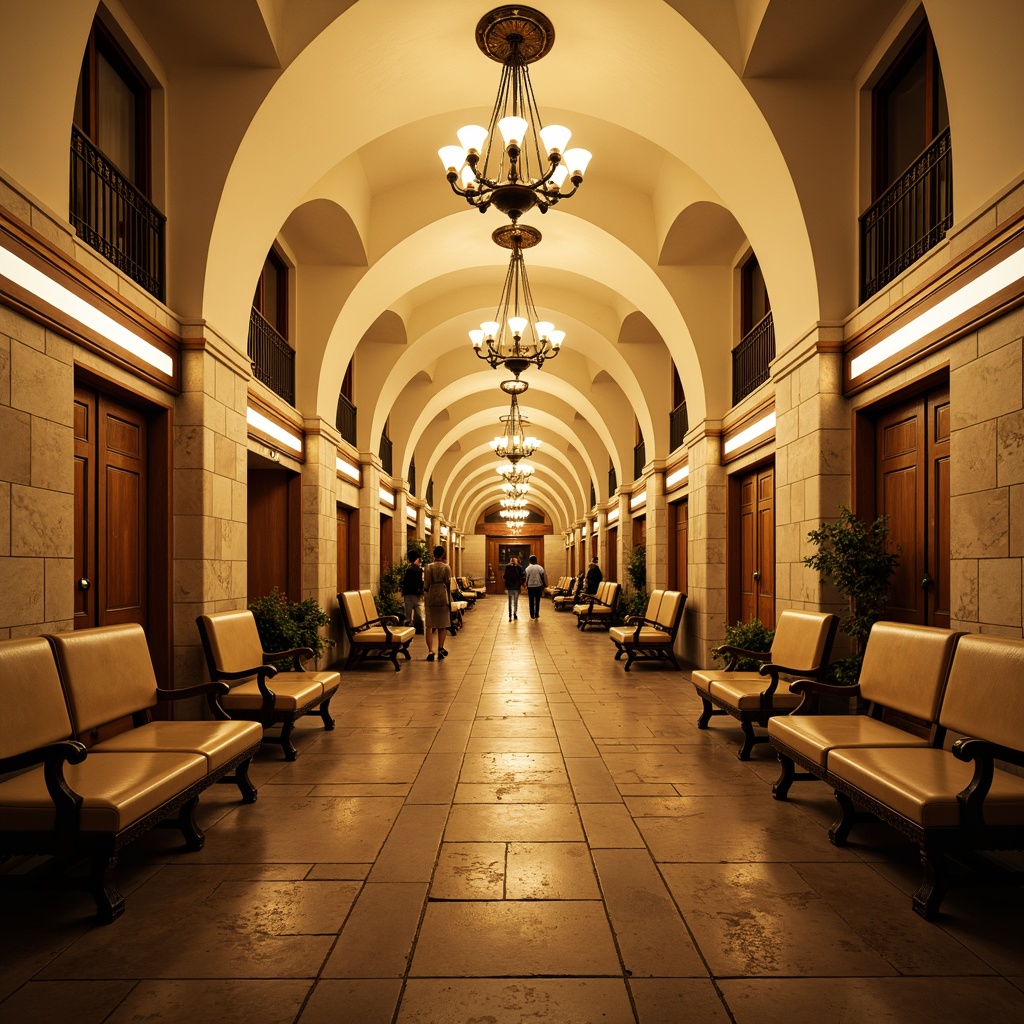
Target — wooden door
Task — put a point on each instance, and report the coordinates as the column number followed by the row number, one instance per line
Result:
column 752, row 547
column 274, row 542
column 611, row 571
column 387, row 551
column 111, row 495
column 912, row 489
column 678, row 545
column 348, row 549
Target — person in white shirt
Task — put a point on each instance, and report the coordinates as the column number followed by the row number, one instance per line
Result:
column 536, row 580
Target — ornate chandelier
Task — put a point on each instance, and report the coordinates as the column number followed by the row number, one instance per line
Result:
column 515, row 474
column 516, row 338
column 513, row 443
column 514, row 514
column 514, row 177
column 513, row 503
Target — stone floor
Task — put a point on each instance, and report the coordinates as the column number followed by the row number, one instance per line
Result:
column 522, row 832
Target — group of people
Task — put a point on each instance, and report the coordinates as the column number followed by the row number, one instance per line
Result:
column 428, row 595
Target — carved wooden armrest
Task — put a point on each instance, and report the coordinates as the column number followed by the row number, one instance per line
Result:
column 983, row 754
column 812, row 690
column 53, row 757
column 296, row 654
column 211, row 691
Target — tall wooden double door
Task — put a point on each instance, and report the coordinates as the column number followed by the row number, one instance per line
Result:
column 752, row 546
column 912, row 489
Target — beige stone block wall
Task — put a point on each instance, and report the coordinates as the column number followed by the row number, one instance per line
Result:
column 369, row 524
column 210, row 512
column 36, row 484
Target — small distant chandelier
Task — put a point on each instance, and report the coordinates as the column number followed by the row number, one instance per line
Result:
column 516, row 338
column 514, row 528
column 515, row 474
column 514, row 177
column 513, row 503
column 514, row 491
column 514, row 514
column 513, row 443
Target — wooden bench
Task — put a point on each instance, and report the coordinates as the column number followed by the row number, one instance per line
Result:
column 598, row 609
column 933, row 795
column 653, row 634
column 60, row 799
column 466, row 584
column 572, row 596
column 557, row 589
column 902, row 678
column 235, row 655
column 801, row 648
column 371, row 635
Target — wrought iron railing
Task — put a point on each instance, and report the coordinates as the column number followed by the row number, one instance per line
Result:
column 613, row 482
column 412, row 477
column 750, row 358
column 908, row 219
column 272, row 358
column 113, row 217
column 429, row 496
column 678, row 425
column 385, row 454
column 639, row 459
column 346, row 420
column 593, row 494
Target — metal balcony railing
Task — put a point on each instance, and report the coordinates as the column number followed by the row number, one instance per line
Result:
column 639, row 458
column 909, row 218
column 750, row 358
column 272, row 358
column 385, row 454
column 678, row 425
column 613, row 482
column 346, row 420
column 113, row 217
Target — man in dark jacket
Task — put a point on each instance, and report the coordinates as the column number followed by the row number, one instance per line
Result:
column 412, row 591
column 594, row 576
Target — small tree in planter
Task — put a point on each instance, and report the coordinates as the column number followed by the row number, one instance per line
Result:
column 856, row 557
column 747, row 636
column 634, row 600
column 284, row 625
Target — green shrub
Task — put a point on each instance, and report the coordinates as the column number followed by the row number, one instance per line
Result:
column 389, row 594
column 749, row 636
column 284, row 625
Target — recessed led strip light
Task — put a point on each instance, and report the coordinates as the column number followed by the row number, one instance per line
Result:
column 428, row 522
column 613, row 515
column 638, row 499
column 1005, row 273
column 754, row 431
column 272, row 429
column 386, row 496
column 678, row 476
column 26, row 276
column 410, row 513
column 347, row 469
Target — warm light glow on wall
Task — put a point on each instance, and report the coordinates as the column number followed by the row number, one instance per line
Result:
column 386, row 496
column 428, row 523
column 444, row 532
column 411, row 514
column 347, row 469
column 754, row 431
column 272, row 429
column 638, row 499
column 613, row 515
column 1005, row 273
column 42, row 287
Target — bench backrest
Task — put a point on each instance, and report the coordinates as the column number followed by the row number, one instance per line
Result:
column 984, row 697
column 905, row 667
column 612, row 596
column 654, row 606
column 803, row 640
column 671, row 610
column 231, row 641
column 107, row 673
column 369, row 608
column 353, row 612
column 33, row 712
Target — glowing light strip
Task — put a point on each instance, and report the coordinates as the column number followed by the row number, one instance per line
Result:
column 613, row 515
column 1002, row 275
column 755, row 430
column 347, row 469
column 410, row 513
column 429, row 523
column 678, row 476
column 386, row 496
column 638, row 499
column 444, row 531
column 278, row 433
column 21, row 273
column 583, row 532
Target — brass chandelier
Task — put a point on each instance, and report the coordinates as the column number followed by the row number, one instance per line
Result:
column 516, row 338
column 513, row 443
column 531, row 166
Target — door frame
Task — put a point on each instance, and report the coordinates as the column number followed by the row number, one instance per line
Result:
column 159, row 514
column 733, row 558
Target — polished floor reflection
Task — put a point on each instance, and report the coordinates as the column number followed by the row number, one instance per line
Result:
column 522, row 832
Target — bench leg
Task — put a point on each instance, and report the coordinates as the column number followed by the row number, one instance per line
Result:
column 290, row 753
column 840, row 831
column 109, row 901
column 405, row 650
column 934, row 883
column 392, row 656
column 630, row 658
column 244, row 783
column 786, row 776
column 195, row 838
column 325, row 713
column 706, row 714
column 749, row 739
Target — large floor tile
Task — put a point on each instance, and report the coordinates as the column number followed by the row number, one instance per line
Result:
column 507, row 822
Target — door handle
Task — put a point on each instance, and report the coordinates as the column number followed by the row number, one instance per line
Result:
column 84, row 584
column 927, row 582
column 757, row 577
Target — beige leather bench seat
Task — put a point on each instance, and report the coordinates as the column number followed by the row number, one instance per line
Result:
column 652, row 635
column 371, row 635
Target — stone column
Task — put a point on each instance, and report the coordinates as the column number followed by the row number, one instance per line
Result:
column 399, row 529
column 320, row 524
column 602, row 538
column 657, row 531
column 369, row 522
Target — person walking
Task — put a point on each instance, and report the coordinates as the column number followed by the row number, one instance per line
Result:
column 513, row 584
column 535, row 583
column 412, row 591
column 594, row 576
column 437, row 602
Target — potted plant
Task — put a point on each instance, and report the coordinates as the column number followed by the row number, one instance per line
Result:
column 748, row 636
column 284, row 625
column 634, row 600
column 857, row 558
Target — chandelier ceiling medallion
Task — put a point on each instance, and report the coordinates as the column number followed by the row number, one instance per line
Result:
column 516, row 338
column 531, row 165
